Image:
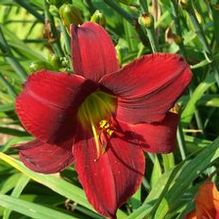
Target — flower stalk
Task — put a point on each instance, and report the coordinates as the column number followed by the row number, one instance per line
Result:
column 150, row 27
column 9, row 57
column 52, row 32
column 130, row 18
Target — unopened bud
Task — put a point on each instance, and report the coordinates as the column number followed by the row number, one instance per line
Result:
column 70, row 15
column 177, row 39
column 146, row 20
column 171, row 37
column 184, row 4
column 98, row 18
column 216, row 7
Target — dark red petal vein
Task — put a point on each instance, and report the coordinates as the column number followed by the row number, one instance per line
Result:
column 93, row 52
column 46, row 158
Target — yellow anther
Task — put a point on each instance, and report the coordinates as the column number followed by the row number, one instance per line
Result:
column 109, row 132
column 104, row 124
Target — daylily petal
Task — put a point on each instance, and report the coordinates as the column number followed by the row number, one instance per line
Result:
column 148, row 87
column 159, row 137
column 110, row 180
column 46, row 158
column 207, row 201
column 93, row 52
column 191, row 215
column 48, row 104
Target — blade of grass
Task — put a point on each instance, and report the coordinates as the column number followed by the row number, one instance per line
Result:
column 55, row 183
column 30, row 209
column 21, row 184
column 165, row 196
column 10, row 58
column 30, row 9
column 190, row 108
column 9, row 87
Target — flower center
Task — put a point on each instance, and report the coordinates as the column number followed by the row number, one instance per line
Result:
column 94, row 115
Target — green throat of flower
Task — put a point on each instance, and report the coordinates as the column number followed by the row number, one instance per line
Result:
column 94, row 114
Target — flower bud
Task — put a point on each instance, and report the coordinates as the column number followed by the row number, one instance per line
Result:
column 171, row 37
column 70, row 15
column 98, row 18
column 146, row 20
column 216, row 7
column 184, row 4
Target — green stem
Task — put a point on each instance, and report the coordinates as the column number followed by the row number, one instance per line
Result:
column 181, row 142
column 150, row 30
column 128, row 35
column 201, row 35
column 55, row 34
column 168, row 161
column 175, row 15
column 199, row 31
column 10, row 88
column 120, row 10
column 66, row 38
column 131, row 19
column 199, row 121
column 30, row 9
column 90, row 5
column 144, row 5
column 146, row 184
column 152, row 39
column 9, row 57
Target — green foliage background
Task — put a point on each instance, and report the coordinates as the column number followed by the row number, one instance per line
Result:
column 28, row 43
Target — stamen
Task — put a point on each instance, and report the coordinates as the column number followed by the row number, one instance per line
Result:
column 96, row 139
column 104, row 124
column 93, row 114
column 109, row 132
column 96, row 136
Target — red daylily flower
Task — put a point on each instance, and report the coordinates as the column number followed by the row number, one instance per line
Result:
column 102, row 117
column 206, row 203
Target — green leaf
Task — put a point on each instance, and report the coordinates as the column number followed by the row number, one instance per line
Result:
column 9, row 183
column 21, row 184
column 190, row 108
column 6, row 107
column 156, row 173
column 55, row 183
column 30, row 209
column 165, row 197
